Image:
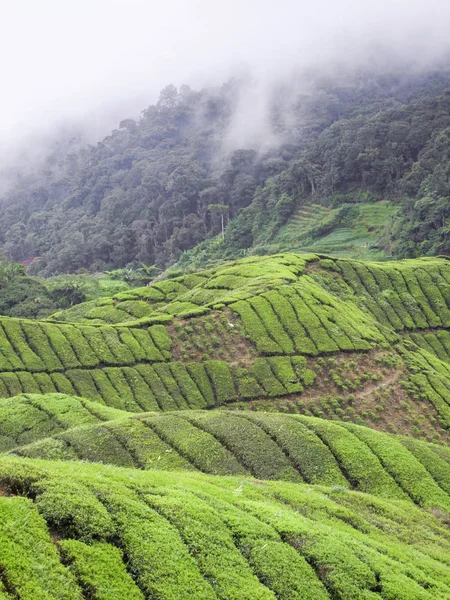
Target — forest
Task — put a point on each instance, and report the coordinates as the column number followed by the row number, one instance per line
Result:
column 160, row 185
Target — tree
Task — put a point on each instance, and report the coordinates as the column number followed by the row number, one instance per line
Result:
column 221, row 211
column 143, row 193
column 284, row 208
column 168, row 97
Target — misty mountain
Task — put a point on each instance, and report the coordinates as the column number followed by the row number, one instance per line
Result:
column 200, row 162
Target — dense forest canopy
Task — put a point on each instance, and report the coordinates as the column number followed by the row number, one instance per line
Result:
column 160, row 185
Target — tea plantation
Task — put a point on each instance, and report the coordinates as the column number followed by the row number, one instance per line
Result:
column 276, row 427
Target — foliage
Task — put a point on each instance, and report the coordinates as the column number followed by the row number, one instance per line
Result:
column 156, row 431
column 268, row 333
column 156, row 187
column 201, row 536
column 37, row 298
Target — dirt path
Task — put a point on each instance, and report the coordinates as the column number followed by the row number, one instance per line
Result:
column 373, row 387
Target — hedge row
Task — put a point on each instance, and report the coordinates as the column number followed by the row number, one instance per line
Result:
column 357, row 462
column 167, row 386
column 436, row 343
column 189, row 295
column 431, row 377
column 312, row 458
column 195, row 536
column 405, row 295
column 404, row 468
column 29, row 559
column 100, row 568
column 303, row 318
column 432, row 459
column 30, row 417
column 268, row 446
column 43, row 347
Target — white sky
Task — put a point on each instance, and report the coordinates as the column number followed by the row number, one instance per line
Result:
column 79, row 59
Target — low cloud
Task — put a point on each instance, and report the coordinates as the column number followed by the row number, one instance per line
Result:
column 88, row 64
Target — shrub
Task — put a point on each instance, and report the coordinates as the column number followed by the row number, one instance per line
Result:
column 60, row 346
column 29, row 556
column 16, row 338
column 255, row 330
column 79, row 344
column 247, row 385
column 161, row 339
column 125, row 396
column 100, row 568
column 250, row 445
column 291, row 323
column 98, row 344
column 190, row 391
column 362, row 467
column 222, row 381
column 272, row 324
column 401, row 465
column 165, row 374
column 282, row 368
column 142, row 393
column 162, row 396
column 29, row 384
column 61, row 383
column 310, row 455
column 198, row 446
column 145, row 340
column 198, row 373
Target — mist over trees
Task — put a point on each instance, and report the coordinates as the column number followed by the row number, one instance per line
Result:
column 158, row 186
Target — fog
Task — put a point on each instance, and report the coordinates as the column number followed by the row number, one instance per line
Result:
column 84, row 65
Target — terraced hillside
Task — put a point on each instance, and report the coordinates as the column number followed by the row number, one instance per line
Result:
column 88, row 531
column 268, row 446
column 308, row 334
column 355, row 231
column 274, row 428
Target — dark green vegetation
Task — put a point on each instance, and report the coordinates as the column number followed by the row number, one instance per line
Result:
column 22, row 296
column 358, row 230
column 159, row 186
column 272, row 428
column 37, row 298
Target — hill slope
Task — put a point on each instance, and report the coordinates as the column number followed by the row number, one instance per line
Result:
column 358, row 230
column 143, row 453
column 363, row 342
column 114, row 533
column 158, row 186
column 268, row 446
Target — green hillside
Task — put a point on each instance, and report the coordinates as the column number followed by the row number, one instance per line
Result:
column 342, row 139
column 94, row 531
column 361, row 233
column 358, row 230
column 267, row 446
column 275, row 427
column 323, row 337
column 225, row 326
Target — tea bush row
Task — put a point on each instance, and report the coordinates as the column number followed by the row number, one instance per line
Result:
column 127, row 533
